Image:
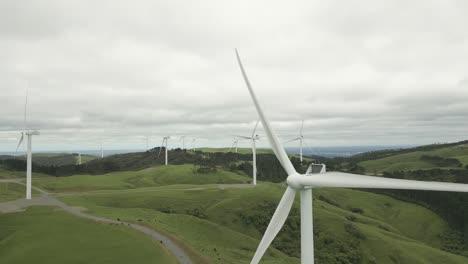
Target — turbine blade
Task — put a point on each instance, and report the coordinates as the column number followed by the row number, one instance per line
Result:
column 302, row 127
column 243, row 137
column 25, row 111
column 348, row 180
column 274, row 141
column 291, row 140
column 255, row 128
column 21, row 141
column 276, row 223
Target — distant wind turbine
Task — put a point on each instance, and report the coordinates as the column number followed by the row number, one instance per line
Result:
column 305, row 182
column 102, row 152
column 29, row 134
column 234, row 145
column 79, row 158
column 193, row 144
column 300, row 138
column 182, row 138
column 253, row 138
column 164, row 143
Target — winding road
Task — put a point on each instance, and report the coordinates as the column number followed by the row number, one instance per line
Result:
column 46, row 199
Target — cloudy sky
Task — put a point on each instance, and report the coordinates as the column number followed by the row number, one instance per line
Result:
column 358, row 72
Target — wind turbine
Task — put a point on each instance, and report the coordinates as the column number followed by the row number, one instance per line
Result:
column 254, row 138
column 193, row 144
column 182, row 138
column 79, row 158
column 29, row 134
column 300, row 138
column 234, row 145
column 165, row 147
column 304, row 183
column 102, row 152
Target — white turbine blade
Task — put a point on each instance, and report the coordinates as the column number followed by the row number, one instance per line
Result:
column 21, row 141
column 255, row 128
column 274, row 141
column 276, row 223
column 233, row 144
column 25, row 111
column 307, row 146
column 296, row 139
column 302, row 127
column 243, row 137
column 348, row 180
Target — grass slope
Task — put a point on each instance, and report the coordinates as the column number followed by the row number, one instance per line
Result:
column 395, row 231
column 48, row 235
column 412, row 160
column 156, row 176
column 10, row 191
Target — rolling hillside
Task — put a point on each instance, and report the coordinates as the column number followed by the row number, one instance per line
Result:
column 413, row 160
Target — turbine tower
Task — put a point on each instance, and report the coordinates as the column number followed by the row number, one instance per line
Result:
column 79, row 158
column 253, row 138
column 193, row 144
column 164, row 143
column 300, row 138
column 29, row 134
column 234, row 145
column 305, row 182
column 102, row 151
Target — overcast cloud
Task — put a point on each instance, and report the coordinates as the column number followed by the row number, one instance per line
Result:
column 358, row 72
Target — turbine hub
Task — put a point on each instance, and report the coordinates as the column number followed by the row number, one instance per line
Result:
column 292, row 181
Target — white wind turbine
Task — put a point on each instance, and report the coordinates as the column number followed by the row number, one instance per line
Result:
column 164, row 143
column 253, row 138
column 182, row 138
column 29, row 134
column 79, row 158
column 304, row 183
column 301, row 140
column 193, row 144
column 234, row 145
column 102, row 152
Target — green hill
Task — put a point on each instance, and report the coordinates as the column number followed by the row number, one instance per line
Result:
column 47, row 235
column 156, row 176
column 413, row 160
column 381, row 229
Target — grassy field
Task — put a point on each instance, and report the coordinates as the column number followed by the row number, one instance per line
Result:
column 48, row 235
column 209, row 219
column 156, row 176
column 11, row 191
column 412, row 160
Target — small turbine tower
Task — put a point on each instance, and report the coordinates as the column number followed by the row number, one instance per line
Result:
column 164, row 143
column 29, row 134
column 301, row 140
column 234, row 145
column 253, row 138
